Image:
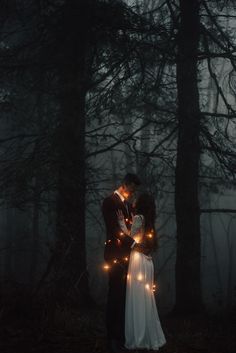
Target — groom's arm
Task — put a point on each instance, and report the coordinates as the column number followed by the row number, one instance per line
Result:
column 109, row 210
column 142, row 248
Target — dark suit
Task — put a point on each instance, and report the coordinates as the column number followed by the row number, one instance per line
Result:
column 117, row 251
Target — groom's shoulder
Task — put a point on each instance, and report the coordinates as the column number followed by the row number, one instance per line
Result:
column 109, row 199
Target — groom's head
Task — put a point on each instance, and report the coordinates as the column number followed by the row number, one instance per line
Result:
column 129, row 185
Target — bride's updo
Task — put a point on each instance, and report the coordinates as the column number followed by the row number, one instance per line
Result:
column 145, row 205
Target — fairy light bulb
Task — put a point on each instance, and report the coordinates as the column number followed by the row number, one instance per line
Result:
column 137, row 239
column 140, row 277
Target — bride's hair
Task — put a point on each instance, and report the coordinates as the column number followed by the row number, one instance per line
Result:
column 145, row 205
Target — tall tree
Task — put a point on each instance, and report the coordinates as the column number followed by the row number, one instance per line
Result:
column 188, row 277
column 70, row 145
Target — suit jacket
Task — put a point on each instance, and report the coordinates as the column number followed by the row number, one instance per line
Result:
column 117, row 246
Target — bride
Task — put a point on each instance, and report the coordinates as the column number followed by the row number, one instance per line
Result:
column 142, row 325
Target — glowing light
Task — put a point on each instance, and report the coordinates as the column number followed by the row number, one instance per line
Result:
column 137, row 239
column 126, row 195
column 126, row 219
column 106, row 267
column 115, row 261
column 147, row 286
column 121, row 233
column 118, row 241
column 109, row 240
column 149, row 235
column 140, row 277
column 136, row 255
column 126, row 259
column 105, row 243
column 154, row 288
column 128, row 277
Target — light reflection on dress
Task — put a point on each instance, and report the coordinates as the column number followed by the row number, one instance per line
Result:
column 142, row 325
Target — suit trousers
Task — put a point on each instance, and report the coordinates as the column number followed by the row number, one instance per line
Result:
column 115, row 313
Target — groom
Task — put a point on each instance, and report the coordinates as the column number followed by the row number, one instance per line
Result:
column 116, row 254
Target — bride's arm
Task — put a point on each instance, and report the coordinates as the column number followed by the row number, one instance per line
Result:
column 136, row 226
column 121, row 221
column 137, row 232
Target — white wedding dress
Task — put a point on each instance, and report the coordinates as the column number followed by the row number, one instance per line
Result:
column 142, row 325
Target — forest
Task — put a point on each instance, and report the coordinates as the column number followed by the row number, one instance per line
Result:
column 91, row 90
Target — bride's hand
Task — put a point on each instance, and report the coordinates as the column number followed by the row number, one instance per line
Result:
column 120, row 215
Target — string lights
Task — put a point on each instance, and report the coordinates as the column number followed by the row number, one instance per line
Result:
column 138, row 239
column 140, row 277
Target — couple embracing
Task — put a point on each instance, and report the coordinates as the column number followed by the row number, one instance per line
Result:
column 132, row 319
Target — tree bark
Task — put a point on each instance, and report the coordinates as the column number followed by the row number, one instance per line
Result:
column 35, row 233
column 71, row 267
column 188, row 261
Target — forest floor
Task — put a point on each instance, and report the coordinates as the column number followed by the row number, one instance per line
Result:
column 85, row 333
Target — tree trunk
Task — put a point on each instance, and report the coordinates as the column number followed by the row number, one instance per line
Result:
column 71, row 268
column 35, row 233
column 142, row 160
column 9, row 246
column 188, row 262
